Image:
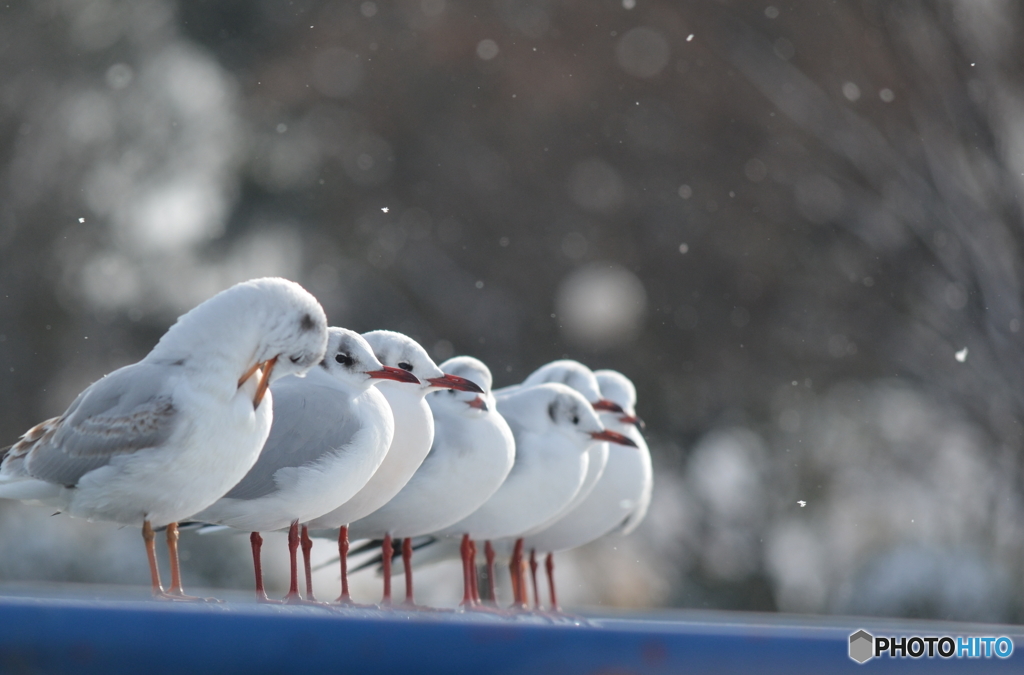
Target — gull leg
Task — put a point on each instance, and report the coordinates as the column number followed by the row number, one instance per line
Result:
column 467, row 583
column 533, row 578
column 174, row 592
column 474, row 590
column 256, row 542
column 293, row 547
column 407, row 563
column 172, row 549
column 154, row 571
column 344, row 598
column 386, row 552
column 518, row 580
column 471, row 598
column 307, row 549
column 491, row 581
column 549, row 566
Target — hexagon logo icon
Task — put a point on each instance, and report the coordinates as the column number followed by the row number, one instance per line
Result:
column 862, row 646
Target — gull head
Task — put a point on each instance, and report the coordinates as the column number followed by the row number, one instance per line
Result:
column 269, row 326
column 293, row 328
column 461, row 402
column 619, row 389
column 572, row 416
column 400, row 351
column 350, row 359
column 554, row 409
column 576, row 376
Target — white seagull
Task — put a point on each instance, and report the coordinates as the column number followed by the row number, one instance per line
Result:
column 472, row 454
column 414, row 433
column 576, row 376
column 554, row 427
column 157, row 441
column 620, row 499
column 331, row 431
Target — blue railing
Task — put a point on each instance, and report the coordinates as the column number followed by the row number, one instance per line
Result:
column 116, row 636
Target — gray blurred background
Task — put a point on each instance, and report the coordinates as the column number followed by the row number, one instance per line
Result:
column 796, row 226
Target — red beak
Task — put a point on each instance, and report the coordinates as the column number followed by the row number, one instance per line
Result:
column 397, row 374
column 612, row 437
column 455, row 382
column 610, row 406
column 478, row 403
column 634, row 420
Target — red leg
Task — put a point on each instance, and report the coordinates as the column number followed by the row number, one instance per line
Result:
column 518, row 581
column 154, row 571
column 386, row 552
column 293, row 547
column 491, row 581
column 344, row 598
column 472, row 573
column 549, row 566
column 467, row 565
column 256, row 541
column 407, row 563
column 533, row 578
column 307, row 549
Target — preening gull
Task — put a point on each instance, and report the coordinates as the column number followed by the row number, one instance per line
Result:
column 157, row 441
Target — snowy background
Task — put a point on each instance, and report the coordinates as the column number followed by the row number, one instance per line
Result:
column 783, row 222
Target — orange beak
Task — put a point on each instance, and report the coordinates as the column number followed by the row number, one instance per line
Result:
column 261, row 388
column 249, row 373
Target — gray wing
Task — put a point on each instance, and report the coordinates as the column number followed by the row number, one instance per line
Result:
column 128, row 410
column 310, row 422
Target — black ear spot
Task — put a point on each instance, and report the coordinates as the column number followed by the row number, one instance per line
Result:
column 307, row 324
column 552, row 407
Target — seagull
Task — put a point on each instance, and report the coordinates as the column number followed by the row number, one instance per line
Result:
column 576, row 376
column 471, row 455
column 619, row 501
column 554, row 426
column 414, row 433
column 157, row 441
column 331, row 431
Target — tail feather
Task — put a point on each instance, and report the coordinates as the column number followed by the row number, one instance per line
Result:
column 201, row 528
column 418, row 543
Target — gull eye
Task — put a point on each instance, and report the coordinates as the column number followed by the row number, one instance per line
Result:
column 344, row 359
column 575, row 419
column 405, row 365
column 295, row 359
